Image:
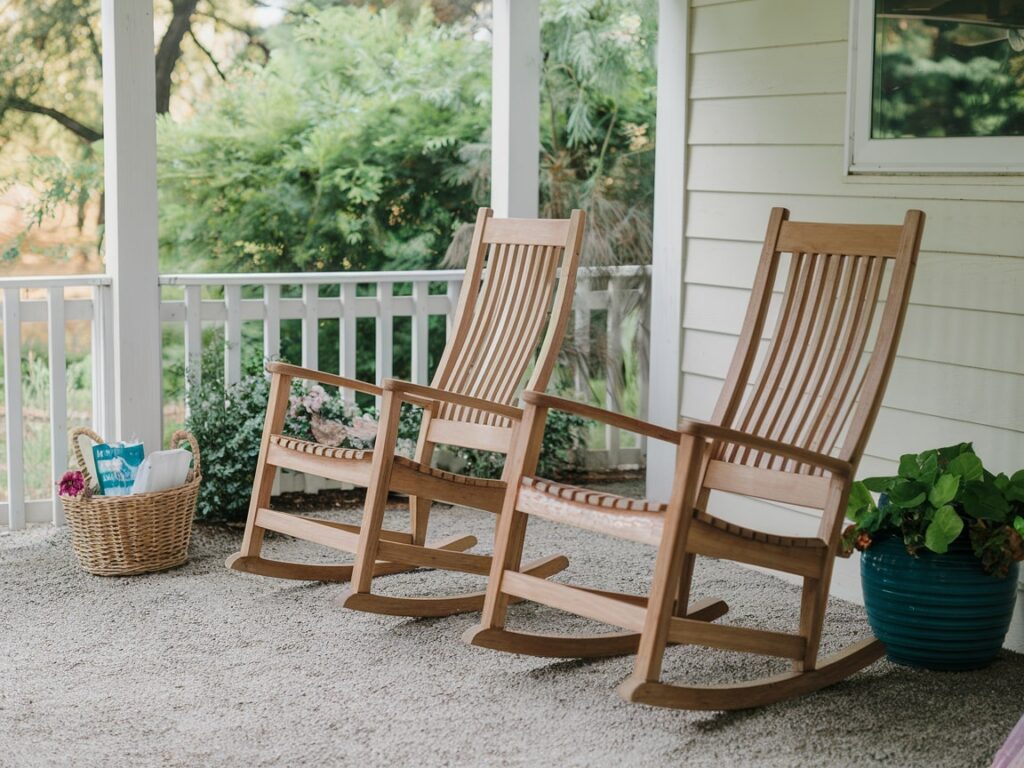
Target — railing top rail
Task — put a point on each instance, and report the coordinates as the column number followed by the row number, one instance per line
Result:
column 54, row 281
column 334, row 278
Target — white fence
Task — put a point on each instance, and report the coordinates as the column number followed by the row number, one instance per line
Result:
column 48, row 313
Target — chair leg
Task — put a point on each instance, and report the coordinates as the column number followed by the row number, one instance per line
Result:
column 277, row 406
column 685, row 584
column 813, row 603
column 508, row 554
column 510, row 531
column 419, row 517
column 376, row 495
column 669, row 568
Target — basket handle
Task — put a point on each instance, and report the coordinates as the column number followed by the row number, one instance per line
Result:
column 183, row 436
column 82, row 465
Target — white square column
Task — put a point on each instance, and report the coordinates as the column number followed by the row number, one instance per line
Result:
column 669, row 252
column 132, row 260
column 515, row 108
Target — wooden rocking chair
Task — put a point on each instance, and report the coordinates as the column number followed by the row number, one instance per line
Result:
column 500, row 319
column 772, row 437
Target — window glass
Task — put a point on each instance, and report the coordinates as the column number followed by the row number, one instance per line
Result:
column 940, row 71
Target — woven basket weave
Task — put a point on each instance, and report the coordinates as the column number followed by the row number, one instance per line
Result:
column 124, row 535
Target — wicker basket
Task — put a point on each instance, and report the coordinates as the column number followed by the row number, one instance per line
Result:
column 124, row 535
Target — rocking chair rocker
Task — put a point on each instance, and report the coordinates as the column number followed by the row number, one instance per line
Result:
column 501, row 316
column 772, row 437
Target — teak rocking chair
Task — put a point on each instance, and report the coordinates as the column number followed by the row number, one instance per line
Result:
column 772, row 437
column 525, row 293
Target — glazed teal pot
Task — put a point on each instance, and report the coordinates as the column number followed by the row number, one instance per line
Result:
column 939, row 612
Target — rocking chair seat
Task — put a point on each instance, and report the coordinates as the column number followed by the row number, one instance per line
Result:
column 634, row 519
column 295, row 445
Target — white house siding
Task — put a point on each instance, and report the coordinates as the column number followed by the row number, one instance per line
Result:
column 767, row 120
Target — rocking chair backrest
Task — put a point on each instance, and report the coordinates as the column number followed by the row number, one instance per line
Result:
column 519, row 286
column 816, row 388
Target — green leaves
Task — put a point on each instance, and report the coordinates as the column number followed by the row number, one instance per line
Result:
column 943, row 530
column 944, row 490
column 967, row 466
column 985, row 502
column 860, row 504
column 934, row 496
column 908, row 495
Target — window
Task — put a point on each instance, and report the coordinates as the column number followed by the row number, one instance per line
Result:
column 936, row 86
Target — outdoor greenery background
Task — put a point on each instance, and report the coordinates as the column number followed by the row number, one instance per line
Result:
column 344, row 136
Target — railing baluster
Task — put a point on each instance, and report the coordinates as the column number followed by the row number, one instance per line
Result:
column 420, row 330
column 13, row 404
column 233, row 335
column 193, row 338
column 347, row 331
column 310, row 325
column 58, row 393
column 271, row 321
column 642, row 371
column 581, row 336
column 613, row 366
column 454, row 289
column 384, row 335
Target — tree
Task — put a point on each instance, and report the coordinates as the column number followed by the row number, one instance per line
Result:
column 597, row 125
column 51, row 93
column 334, row 155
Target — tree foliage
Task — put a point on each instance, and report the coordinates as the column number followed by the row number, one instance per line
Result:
column 938, row 79
column 51, row 104
column 334, row 155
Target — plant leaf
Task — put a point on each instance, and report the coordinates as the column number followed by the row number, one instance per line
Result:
column 943, row 530
column 950, row 452
column 928, row 467
column 908, row 466
column 878, row 484
column 985, row 502
column 860, row 504
column 944, row 490
column 908, row 494
column 968, row 466
column 1018, row 525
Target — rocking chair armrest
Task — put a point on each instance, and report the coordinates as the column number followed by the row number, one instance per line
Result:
column 344, row 382
column 775, row 447
column 611, row 418
column 422, row 395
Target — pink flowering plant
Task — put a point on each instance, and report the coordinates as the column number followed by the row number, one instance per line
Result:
column 330, row 419
column 71, row 483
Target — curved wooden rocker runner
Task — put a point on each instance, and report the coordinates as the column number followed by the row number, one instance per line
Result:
column 772, row 437
column 522, row 300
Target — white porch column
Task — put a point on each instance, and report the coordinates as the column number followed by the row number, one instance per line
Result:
column 515, row 108
column 129, row 127
column 669, row 238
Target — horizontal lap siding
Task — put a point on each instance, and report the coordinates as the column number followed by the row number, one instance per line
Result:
column 767, row 118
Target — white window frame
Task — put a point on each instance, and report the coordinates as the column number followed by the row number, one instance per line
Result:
column 975, row 155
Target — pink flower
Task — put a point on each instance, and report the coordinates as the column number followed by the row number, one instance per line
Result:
column 315, row 398
column 71, row 483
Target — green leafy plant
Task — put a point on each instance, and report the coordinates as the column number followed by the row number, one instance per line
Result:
column 936, row 498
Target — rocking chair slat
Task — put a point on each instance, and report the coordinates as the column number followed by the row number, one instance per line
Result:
column 792, row 432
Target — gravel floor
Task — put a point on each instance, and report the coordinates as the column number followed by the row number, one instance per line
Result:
column 201, row 666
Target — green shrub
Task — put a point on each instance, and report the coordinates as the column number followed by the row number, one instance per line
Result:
column 227, row 422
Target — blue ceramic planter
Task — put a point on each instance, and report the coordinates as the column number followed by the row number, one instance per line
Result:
column 939, row 612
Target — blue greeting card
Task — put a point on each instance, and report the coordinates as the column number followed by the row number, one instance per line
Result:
column 117, row 466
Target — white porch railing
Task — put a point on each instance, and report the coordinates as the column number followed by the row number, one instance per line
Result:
column 51, row 312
